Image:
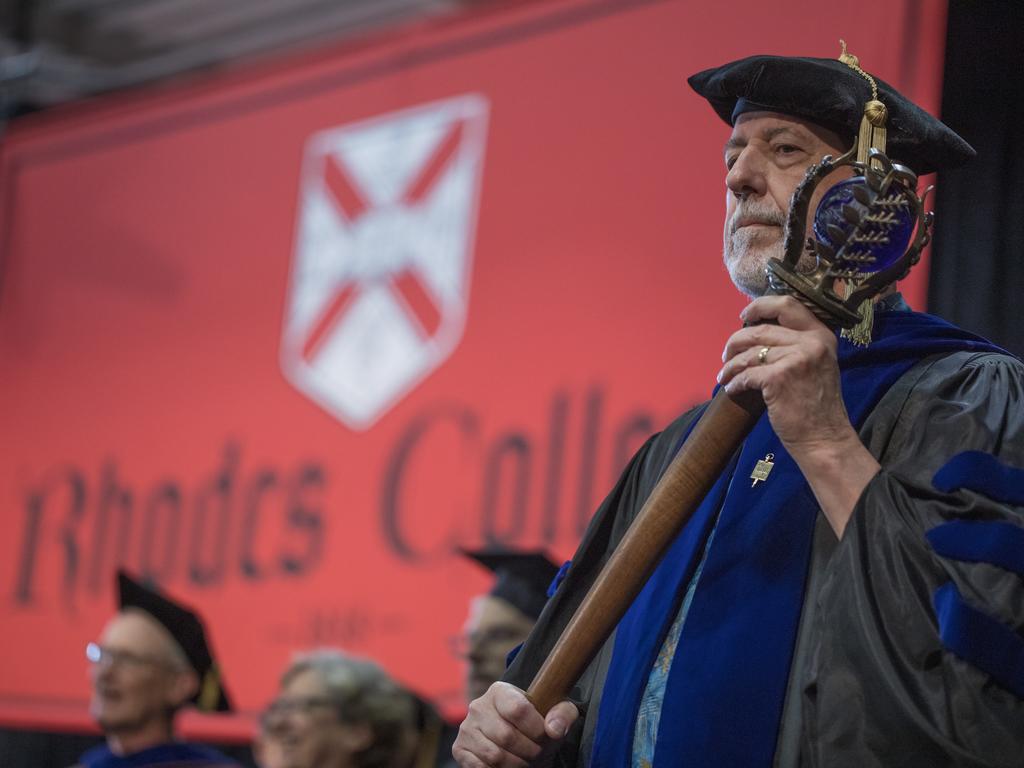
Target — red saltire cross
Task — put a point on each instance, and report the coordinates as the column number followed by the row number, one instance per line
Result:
column 406, row 283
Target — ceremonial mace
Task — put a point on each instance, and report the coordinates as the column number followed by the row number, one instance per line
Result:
column 868, row 231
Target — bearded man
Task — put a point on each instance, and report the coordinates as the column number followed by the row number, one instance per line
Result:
column 860, row 606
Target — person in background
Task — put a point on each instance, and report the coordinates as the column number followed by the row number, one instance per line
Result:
column 337, row 711
column 502, row 619
column 151, row 661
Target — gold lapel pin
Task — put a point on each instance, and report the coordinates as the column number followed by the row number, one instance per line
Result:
column 762, row 469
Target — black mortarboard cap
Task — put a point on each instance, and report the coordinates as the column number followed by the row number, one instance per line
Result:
column 831, row 94
column 187, row 630
column 522, row 577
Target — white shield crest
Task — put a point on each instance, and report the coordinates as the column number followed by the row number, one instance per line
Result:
column 380, row 276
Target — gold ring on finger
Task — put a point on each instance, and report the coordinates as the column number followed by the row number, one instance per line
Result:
column 762, row 356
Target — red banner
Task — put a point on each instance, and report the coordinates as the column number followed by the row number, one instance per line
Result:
column 284, row 340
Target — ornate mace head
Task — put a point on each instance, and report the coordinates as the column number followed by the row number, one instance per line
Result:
column 868, row 230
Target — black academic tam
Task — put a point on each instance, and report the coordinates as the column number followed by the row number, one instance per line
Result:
column 831, row 94
column 186, row 628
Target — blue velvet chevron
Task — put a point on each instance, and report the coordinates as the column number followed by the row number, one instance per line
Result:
column 980, row 640
column 981, row 541
column 974, row 636
column 983, row 473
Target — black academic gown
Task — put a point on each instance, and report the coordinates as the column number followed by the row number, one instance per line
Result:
column 871, row 682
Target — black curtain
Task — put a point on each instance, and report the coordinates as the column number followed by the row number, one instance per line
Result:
column 977, row 274
column 41, row 749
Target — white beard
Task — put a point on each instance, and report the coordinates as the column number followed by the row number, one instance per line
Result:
column 746, row 255
column 746, row 250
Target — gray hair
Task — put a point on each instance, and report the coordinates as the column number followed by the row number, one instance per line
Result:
column 362, row 693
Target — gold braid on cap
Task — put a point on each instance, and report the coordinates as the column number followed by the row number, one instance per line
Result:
column 871, row 136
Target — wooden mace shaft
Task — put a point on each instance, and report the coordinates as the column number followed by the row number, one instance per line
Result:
column 688, row 479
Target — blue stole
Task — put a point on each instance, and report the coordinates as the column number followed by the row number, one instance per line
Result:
column 725, row 689
column 171, row 754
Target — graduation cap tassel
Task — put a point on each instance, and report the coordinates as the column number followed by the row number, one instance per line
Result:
column 860, row 334
column 872, row 135
column 872, row 129
column 209, row 692
column 872, row 124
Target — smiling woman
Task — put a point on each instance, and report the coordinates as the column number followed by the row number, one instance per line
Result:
column 336, row 711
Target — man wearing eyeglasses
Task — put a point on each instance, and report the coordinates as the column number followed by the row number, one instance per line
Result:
column 151, row 660
column 501, row 620
column 337, row 711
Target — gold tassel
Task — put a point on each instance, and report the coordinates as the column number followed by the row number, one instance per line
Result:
column 872, row 124
column 209, row 693
column 872, row 135
column 860, row 334
column 872, row 129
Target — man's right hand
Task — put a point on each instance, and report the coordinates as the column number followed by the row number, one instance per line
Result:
column 503, row 729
